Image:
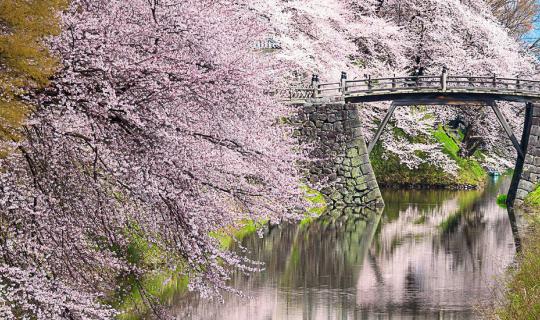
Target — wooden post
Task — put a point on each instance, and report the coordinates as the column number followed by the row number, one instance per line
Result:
column 315, row 85
column 508, row 130
column 381, row 127
column 518, row 84
column 343, row 83
column 369, row 85
column 394, row 82
column 494, row 81
column 518, row 170
column 444, row 78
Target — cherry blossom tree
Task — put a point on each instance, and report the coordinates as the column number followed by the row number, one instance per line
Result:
column 157, row 124
column 397, row 37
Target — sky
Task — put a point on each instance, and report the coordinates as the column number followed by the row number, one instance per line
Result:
column 535, row 33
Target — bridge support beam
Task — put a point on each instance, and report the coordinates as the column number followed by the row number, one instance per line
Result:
column 380, row 130
column 338, row 157
column 527, row 170
column 508, row 130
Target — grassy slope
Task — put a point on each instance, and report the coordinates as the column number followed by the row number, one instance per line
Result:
column 522, row 293
column 390, row 171
column 164, row 284
column 522, row 296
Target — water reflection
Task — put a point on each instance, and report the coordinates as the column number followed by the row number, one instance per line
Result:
column 430, row 255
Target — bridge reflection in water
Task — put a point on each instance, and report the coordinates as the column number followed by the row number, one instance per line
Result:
column 431, row 254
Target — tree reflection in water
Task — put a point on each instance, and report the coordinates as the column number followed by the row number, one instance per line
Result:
column 432, row 254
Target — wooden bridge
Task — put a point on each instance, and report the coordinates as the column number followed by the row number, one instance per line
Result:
column 432, row 90
column 441, row 90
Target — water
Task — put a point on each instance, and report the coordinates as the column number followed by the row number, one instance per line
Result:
column 429, row 255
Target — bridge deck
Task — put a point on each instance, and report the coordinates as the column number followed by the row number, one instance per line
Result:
column 422, row 90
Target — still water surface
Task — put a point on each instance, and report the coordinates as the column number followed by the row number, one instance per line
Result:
column 432, row 254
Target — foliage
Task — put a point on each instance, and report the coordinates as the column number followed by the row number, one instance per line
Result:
column 522, row 298
column 390, row 169
column 516, row 15
column 501, row 200
column 470, row 171
column 158, row 118
column 25, row 62
column 400, row 37
column 533, row 198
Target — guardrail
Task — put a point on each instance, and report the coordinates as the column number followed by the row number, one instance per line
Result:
column 414, row 84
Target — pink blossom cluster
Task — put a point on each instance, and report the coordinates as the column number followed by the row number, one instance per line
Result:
column 158, row 121
column 397, row 37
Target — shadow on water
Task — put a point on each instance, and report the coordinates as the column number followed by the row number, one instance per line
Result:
column 429, row 255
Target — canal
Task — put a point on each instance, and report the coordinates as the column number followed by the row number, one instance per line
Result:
column 431, row 254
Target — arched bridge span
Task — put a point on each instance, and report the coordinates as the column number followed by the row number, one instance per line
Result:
column 443, row 89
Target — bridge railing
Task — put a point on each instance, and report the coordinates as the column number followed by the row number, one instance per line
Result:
column 374, row 86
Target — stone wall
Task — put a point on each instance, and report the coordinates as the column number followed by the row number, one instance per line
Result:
column 338, row 155
column 530, row 173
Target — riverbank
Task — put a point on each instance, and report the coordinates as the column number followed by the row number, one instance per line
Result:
column 391, row 173
column 162, row 285
column 520, row 298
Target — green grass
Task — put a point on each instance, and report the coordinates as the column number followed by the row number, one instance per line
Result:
column 522, row 297
column 389, row 170
column 159, row 283
column 227, row 236
column 501, row 200
column 317, row 205
column 470, row 171
column 533, row 198
column 162, row 284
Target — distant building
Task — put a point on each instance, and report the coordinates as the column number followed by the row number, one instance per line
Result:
column 268, row 43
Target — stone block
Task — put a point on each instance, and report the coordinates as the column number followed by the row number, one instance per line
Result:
column 366, row 168
column 355, row 172
column 352, row 152
column 336, row 195
column 526, row 185
column 309, row 109
column 536, row 109
column 327, row 127
column 361, row 180
column 535, row 130
column 521, row 194
column 351, row 123
column 361, row 188
column 356, row 162
column 372, row 185
column 331, row 118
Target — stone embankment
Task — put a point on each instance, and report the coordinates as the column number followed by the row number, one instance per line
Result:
column 338, row 153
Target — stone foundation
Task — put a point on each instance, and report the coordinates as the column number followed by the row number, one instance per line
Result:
column 338, row 155
column 530, row 174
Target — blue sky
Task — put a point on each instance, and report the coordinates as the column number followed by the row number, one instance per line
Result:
column 535, row 33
